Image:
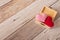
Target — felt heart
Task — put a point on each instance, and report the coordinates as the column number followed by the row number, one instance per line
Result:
column 41, row 17
column 49, row 22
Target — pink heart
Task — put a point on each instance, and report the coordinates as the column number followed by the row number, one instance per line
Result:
column 41, row 17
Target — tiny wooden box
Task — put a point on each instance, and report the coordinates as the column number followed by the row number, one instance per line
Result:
column 50, row 12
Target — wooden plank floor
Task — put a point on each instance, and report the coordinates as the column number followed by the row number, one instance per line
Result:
column 3, row 2
column 12, row 8
column 54, row 33
column 51, row 34
column 27, row 32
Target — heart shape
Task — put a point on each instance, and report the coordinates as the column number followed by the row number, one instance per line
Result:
column 49, row 22
column 41, row 17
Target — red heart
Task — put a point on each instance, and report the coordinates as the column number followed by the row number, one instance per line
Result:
column 49, row 22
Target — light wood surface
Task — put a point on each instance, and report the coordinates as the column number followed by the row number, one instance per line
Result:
column 21, row 21
column 27, row 32
column 3, row 2
column 12, row 8
column 54, row 33
column 50, row 34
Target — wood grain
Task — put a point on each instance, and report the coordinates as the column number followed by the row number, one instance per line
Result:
column 52, row 34
column 18, row 20
column 12, row 8
column 27, row 32
column 3, row 2
column 56, row 7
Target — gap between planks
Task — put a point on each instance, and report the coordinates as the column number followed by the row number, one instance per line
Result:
column 9, row 26
column 12, row 7
column 52, row 34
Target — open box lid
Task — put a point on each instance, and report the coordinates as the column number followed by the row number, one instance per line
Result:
column 49, row 12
